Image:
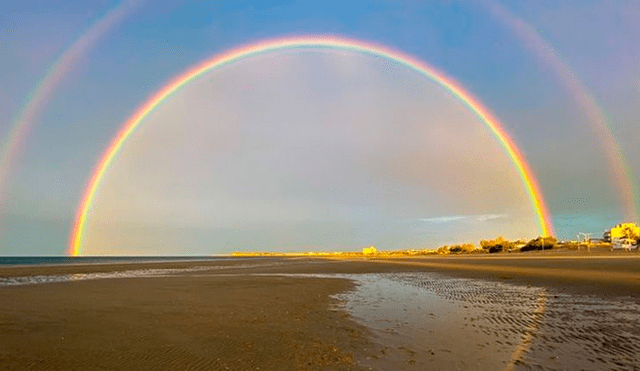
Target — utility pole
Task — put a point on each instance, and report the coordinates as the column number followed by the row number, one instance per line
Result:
column 585, row 238
column 578, row 237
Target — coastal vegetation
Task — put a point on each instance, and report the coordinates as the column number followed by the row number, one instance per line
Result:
column 626, row 231
column 540, row 243
column 499, row 245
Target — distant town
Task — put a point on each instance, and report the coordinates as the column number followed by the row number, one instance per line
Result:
column 621, row 237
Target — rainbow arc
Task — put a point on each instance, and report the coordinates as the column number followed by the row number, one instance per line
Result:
column 129, row 128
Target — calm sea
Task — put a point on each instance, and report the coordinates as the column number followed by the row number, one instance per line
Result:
column 68, row 260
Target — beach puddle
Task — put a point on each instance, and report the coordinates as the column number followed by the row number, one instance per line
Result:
column 426, row 321
column 432, row 321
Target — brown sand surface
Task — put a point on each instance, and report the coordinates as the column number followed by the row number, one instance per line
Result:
column 233, row 316
column 176, row 323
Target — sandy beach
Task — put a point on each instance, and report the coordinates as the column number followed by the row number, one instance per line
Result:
column 312, row 314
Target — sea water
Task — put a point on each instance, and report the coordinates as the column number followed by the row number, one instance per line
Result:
column 82, row 260
column 127, row 273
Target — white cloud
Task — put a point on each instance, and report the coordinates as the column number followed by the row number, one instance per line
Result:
column 487, row 217
column 444, row 219
column 455, row 218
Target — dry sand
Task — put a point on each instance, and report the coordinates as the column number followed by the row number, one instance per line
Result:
column 231, row 319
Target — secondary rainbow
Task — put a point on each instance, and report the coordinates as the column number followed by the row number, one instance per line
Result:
column 43, row 92
column 326, row 42
column 618, row 167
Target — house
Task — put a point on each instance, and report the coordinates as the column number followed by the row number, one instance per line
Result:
column 623, row 230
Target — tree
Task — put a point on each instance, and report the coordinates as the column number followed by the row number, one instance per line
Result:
column 628, row 231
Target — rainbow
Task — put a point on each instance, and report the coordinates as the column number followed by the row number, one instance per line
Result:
column 618, row 167
column 41, row 94
column 326, row 42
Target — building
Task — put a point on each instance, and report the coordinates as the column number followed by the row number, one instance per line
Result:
column 371, row 250
column 623, row 230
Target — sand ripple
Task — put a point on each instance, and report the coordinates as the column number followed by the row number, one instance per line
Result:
column 493, row 325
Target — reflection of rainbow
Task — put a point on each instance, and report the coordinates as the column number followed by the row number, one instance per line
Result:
column 42, row 93
column 532, row 189
column 620, row 171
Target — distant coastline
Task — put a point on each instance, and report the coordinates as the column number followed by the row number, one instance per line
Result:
column 497, row 247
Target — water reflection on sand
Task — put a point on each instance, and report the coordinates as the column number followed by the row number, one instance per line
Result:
column 432, row 321
column 427, row 320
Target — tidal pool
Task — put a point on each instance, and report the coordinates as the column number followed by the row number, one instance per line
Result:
column 429, row 320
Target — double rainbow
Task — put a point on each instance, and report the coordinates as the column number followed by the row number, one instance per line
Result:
column 44, row 91
column 326, row 42
column 619, row 170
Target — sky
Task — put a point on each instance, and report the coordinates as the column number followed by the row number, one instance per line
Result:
column 314, row 149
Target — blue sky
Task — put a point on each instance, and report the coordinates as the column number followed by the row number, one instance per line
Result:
column 156, row 41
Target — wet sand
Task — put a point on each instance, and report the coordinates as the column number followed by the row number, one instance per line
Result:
column 605, row 275
column 242, row 315
column 177, row 322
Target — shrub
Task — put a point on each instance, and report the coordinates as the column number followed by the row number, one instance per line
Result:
column 540, row 243
column 464, row 248
column 497, row 245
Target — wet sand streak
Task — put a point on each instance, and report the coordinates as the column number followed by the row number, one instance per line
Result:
column 531, row 330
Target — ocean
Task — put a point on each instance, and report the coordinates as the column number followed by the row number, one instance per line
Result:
column 43, row 261
column 70, row 260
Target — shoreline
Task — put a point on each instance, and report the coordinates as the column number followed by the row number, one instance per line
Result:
column 53, row 269
column 613, row 274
